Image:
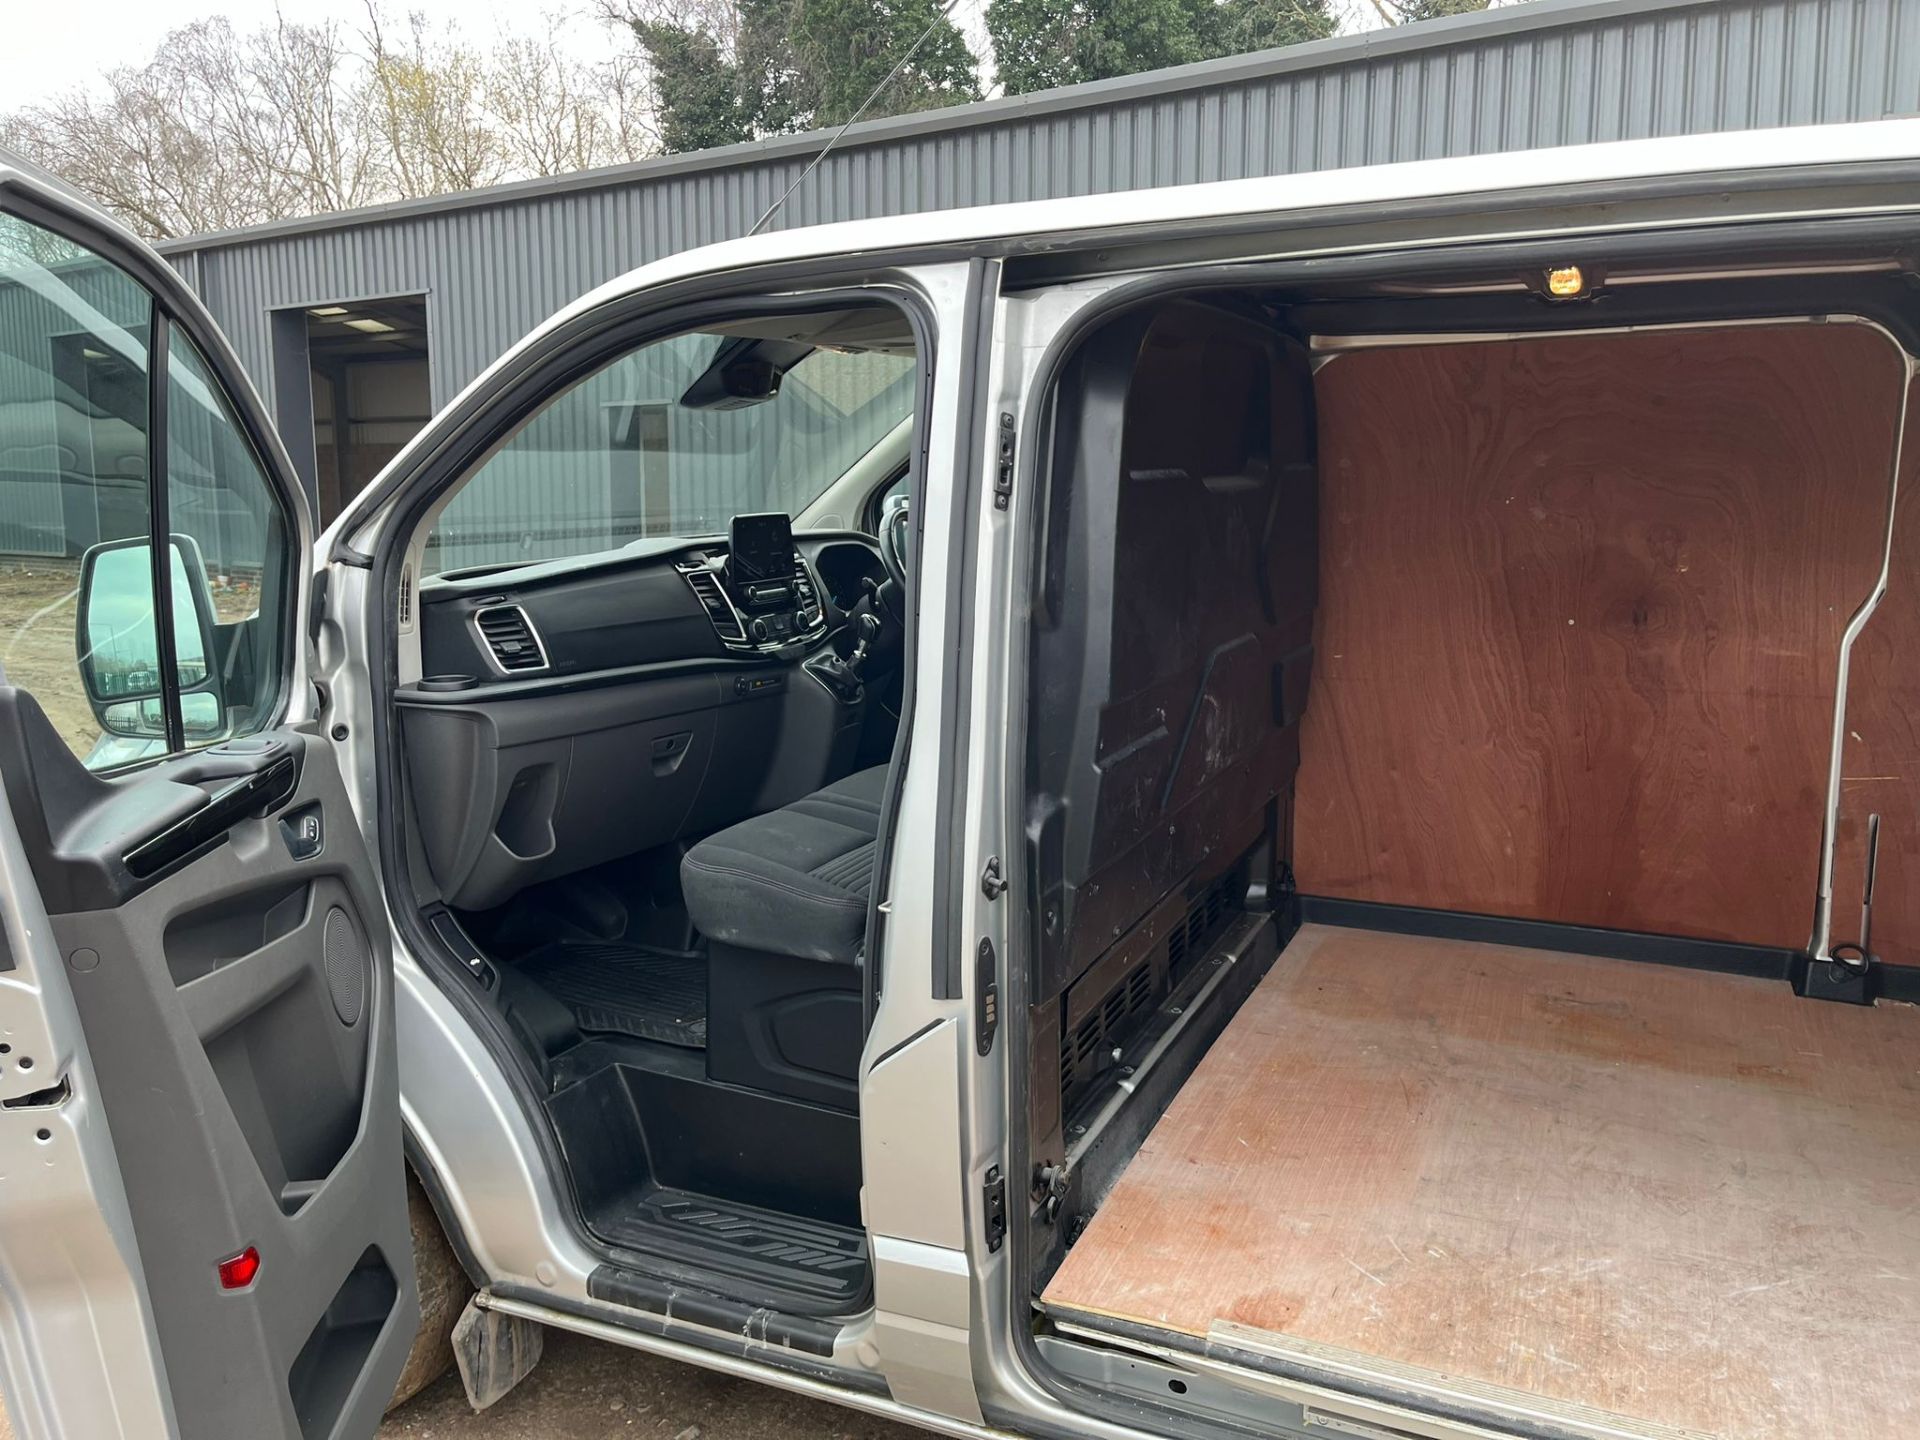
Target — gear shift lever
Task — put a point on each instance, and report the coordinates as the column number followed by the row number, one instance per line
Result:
column 867, row 626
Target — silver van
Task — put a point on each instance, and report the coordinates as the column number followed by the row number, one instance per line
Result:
column 1279, row 808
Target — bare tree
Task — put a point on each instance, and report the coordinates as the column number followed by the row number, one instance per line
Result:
column 153, row 145
column 427, row 93
column 219, row 130
column 554, row 114
column 326, row 150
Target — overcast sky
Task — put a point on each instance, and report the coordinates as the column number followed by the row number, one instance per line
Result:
column 54, row 45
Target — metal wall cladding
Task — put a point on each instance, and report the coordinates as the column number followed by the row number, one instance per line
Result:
column 1554, row 72
column 73, row 411
column 75, row 430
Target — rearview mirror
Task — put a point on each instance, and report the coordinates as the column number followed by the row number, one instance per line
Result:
column 117, row 640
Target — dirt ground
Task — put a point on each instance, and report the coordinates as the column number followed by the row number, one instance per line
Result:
column 589, row 1390
column 38, row 602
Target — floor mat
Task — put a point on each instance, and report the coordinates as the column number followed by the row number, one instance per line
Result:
column 813, row 1268
column 626, row 989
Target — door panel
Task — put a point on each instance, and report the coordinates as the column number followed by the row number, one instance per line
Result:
column 211, row 996
column 237, row 1003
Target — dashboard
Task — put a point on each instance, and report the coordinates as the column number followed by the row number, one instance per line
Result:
column 558, row 623
column 573, row 711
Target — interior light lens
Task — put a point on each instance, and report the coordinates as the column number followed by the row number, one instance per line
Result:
column 237, row 1271
column 328, row 310
column 1566, row 281
column 370, row 327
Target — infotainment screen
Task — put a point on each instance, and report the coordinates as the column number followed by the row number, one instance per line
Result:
column 761, row 549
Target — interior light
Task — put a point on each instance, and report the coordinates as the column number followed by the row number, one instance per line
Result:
column 328, row 310
column 237, row 1271
column 370, row 327
column 1566, row 281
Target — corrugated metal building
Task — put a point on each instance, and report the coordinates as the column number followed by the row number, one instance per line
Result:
column 485, row 266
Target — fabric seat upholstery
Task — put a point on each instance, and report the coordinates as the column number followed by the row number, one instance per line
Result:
column 794, row 881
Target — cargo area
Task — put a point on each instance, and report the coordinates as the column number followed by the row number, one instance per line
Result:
column 1474, row 841
column 1578, row 1184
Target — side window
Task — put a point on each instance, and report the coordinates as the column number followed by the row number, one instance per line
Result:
column 74, row 431
column 79, row 626
column 899, row 490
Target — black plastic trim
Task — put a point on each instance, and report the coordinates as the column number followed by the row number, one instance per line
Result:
column 699, row 1336
column 1720, row 956
column 160, row 528
column 629, row 1288
column 483, row 694
column 258, row 793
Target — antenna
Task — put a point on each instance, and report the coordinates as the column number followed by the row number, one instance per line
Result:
column 946, row 9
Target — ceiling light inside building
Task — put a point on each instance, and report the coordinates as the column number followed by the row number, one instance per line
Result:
column 328, row 311
column 370, row 327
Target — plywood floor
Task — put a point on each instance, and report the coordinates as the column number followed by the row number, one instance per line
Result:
column 1684, row 1198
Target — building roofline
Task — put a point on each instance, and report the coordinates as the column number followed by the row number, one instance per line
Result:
column 1205, row 74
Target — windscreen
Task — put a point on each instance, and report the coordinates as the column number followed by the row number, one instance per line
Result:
column 621, row 456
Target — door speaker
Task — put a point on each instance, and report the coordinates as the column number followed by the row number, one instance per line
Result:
column 344, row 956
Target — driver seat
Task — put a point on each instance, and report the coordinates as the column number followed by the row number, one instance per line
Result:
column 782, row 899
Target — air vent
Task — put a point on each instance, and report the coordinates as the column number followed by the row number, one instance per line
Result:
column 511, row 639
column 806, row 593
column 406, row 597
column 1088, row 1052
column 726, row 620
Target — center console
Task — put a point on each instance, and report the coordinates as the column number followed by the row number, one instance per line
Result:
column 760, row 593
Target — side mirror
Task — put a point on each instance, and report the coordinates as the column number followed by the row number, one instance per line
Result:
column 117, row 643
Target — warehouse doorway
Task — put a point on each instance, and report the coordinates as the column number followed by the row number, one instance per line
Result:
column 354, row 376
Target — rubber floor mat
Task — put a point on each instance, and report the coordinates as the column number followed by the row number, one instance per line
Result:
column 626, row 989
column 812, row 1267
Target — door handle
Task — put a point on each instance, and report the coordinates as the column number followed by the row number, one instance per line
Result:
column 255, row 793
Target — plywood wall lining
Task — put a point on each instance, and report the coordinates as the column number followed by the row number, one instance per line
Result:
column 1880, row 758
column 1581, row 605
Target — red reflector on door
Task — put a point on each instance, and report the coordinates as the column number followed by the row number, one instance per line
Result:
column 237, row 1273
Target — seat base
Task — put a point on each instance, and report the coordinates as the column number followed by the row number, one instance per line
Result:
column 784, row 1024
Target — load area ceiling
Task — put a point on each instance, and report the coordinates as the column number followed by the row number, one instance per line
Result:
column 1621, row 1198
column 1581, row 608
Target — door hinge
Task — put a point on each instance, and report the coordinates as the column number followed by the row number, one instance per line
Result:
column 1050, row 1188
column 995, row 1208
column 993, row 879
column 986, row 996
column 1003, row 465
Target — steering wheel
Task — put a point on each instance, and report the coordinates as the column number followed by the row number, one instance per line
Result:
column 895, row 528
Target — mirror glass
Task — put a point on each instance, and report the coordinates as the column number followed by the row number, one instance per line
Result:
column 122, row 660
column 146, row 719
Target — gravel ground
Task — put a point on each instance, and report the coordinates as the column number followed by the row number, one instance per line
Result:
column 37, row 609
column 589, row 1390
